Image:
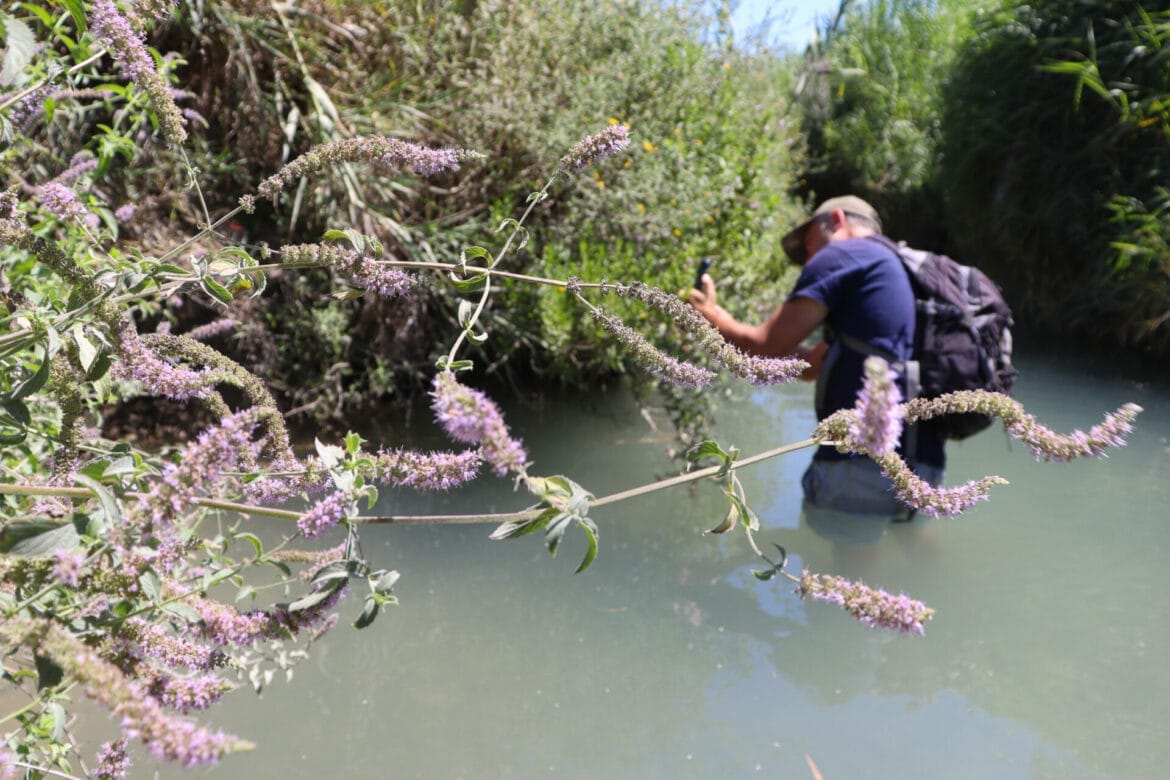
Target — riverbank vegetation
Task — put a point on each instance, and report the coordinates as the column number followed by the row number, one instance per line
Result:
column 290, row 213
column 1031, row 139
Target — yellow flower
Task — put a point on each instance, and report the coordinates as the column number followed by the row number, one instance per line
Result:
column 649, row 146
column 640, row 207
column 600, row 184
column 626, row 163
column 613, row 121
column 676, row 232
column 698, row 142
column 710, row 218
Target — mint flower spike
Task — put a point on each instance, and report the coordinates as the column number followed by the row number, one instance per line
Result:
column 128, row 48
column 390, row 153
column 594, row 148
column 757, row 370
column 471, row 417
column 362, row 269
column 1048, row 445
column 1044, row 443
column 874, row 608
column 658, row 363
column 933, row 501
column 876, row 427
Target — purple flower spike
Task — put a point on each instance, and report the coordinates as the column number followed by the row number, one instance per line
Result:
column 878, row 424
column 326, row 513
column 112, row 761
column 932, row 501
column 471, row 417
column 594, row 148
column 874, row 608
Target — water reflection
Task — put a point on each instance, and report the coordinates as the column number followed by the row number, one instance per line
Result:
column 669, row 659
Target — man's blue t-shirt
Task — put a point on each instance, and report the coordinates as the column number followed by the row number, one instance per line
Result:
column 867, row 292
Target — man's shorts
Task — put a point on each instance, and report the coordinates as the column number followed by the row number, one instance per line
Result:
column 836, row 491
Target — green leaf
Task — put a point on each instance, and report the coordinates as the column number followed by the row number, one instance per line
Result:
column 334, row 571
column 475, row 252
column 353, row 443
column 19, row 47
column 590, row 529
column 369, row 612
column 14, row 533
column 749, row 518
column 63, row 536
column 17, row 412
column 514, row 529
column 151, row 585
column 466, row 309
column 472, row 283
column 215, row 290
column 384, row 582
column 33, row 383
column 77, row 11
column 48, row 672
column 765, row 575
column 314, row 598
column 728, row 522
column 183, row 611
column 330, row 454
column 711, row 449
column 253, row 540
column 556, row 532
column 454, row 365
column 104, row 495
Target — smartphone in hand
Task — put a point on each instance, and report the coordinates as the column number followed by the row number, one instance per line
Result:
column 704, row 266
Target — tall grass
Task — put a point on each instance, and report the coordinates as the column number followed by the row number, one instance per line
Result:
column 1057, row 148
column 871, row 93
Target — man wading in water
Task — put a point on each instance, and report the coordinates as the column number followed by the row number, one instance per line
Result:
column 852, row 284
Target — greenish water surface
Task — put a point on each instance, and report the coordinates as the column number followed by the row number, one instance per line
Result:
column 668, row 659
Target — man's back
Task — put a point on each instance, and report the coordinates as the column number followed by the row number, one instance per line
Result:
column 868, row 295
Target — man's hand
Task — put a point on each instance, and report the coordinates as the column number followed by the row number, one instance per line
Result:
column 703, row 299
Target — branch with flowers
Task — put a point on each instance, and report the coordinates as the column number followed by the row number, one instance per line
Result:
column 132, row 576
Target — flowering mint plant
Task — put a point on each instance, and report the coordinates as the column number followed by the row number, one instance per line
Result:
column 132, row 576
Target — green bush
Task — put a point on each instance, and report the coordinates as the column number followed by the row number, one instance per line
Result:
column 871, row 97
column 1056, row 156
column 708, row 172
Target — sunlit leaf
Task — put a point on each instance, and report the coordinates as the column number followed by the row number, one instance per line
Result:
column 590, row 529
column 105, row 496
column 20, row 44
column 513, row 529
column 555, row 533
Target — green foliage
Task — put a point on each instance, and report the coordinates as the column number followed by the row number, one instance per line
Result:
column 1057, row 148
column 707, row 174
column 871, row 99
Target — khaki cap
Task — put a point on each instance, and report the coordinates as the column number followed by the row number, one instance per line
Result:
column 793, row 241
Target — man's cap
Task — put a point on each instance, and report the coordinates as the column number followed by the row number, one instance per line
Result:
column 852, row 205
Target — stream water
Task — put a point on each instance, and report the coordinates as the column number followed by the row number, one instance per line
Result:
column 667, row 659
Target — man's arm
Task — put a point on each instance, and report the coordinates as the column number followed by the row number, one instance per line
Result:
column 778, row 336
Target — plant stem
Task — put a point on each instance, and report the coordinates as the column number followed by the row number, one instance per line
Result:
column 286, row 514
